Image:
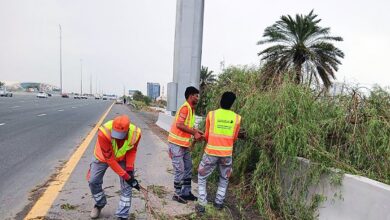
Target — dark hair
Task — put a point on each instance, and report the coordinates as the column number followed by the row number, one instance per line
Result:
column 190, row 91
column 227, row 100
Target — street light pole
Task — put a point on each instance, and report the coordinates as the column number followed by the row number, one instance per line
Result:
column 96, row 85
column 60, row 59
column 81, row 84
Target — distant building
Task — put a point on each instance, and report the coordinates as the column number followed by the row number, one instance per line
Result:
column 36, row 86
column 153, row 90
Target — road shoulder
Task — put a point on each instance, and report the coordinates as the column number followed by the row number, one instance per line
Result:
column 153, row 169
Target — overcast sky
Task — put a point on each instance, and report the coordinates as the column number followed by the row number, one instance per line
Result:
column 124, row 44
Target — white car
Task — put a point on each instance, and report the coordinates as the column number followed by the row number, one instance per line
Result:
column 119, row 101
column 42, row 95
column 4, row 92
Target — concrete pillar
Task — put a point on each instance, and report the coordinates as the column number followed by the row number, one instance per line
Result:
column 187, row 51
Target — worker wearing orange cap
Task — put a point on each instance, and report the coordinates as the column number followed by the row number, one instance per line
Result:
column 116, row 147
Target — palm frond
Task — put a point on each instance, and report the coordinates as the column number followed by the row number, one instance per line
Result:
column 300, row 41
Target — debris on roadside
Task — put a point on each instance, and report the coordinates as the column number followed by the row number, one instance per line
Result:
column 68, row 207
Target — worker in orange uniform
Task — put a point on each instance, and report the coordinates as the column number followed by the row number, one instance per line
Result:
column 180, row 138
column 222, row 128
column 116, row 147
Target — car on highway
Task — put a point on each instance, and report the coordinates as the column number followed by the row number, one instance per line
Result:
column 42, row 95
column 5, row 92
column 98, row 97
column 119, row 101
column 64, row 95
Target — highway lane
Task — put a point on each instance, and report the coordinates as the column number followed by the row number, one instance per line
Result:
column 35, row 136
column 11, row 108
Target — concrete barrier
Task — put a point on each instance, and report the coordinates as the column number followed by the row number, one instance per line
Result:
column 165, row 120
column 357, row 198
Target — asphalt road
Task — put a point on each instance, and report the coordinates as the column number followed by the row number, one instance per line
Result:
column 36, row 135
column 153, row 168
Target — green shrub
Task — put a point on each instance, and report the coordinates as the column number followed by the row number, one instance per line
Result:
column 350, row 132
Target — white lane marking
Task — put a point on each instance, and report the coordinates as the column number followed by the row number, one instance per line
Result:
column 41, row 115
column 74, row 107
column 16, row 106
column 60, row 110
column 2, row 124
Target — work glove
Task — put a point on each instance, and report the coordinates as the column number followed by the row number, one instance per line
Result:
column 133, row 183
column 131, row 174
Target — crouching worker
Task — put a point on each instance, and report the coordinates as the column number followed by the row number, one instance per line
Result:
column 222, row 128
column 116, row 147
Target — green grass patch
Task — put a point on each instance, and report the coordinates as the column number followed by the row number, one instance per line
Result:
column 68, row 207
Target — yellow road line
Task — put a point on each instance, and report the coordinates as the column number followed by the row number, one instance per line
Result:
column 44, row 203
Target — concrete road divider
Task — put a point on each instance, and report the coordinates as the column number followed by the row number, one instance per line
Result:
column 164, row 121
column 357, row 197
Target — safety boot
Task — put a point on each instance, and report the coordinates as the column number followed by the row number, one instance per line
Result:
column 190, row 197
column 200, row 209
column 179, row 199
column 218, row 206
column 95, row 212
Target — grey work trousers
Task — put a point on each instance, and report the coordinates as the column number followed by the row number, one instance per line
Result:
column 206, row 167
column 182, row 166
column 97, row 171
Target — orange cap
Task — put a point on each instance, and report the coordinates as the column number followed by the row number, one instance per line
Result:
column 120, row 127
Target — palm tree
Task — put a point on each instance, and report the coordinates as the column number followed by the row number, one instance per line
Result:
column 302, row 47
column 206, row 77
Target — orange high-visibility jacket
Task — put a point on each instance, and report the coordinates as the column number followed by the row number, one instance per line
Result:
column 222, row 128
column 177, row 136
column 132, row 138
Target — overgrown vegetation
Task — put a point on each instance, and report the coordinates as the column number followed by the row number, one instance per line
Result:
column 138, row 96
column 140, row 101
column 348, row 131
column 139, row 105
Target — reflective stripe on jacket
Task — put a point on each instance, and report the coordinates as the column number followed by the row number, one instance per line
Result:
column 223, row 126
column 177, row 136
column 132, row 138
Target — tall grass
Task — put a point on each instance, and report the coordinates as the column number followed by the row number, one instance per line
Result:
column 350, row 132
